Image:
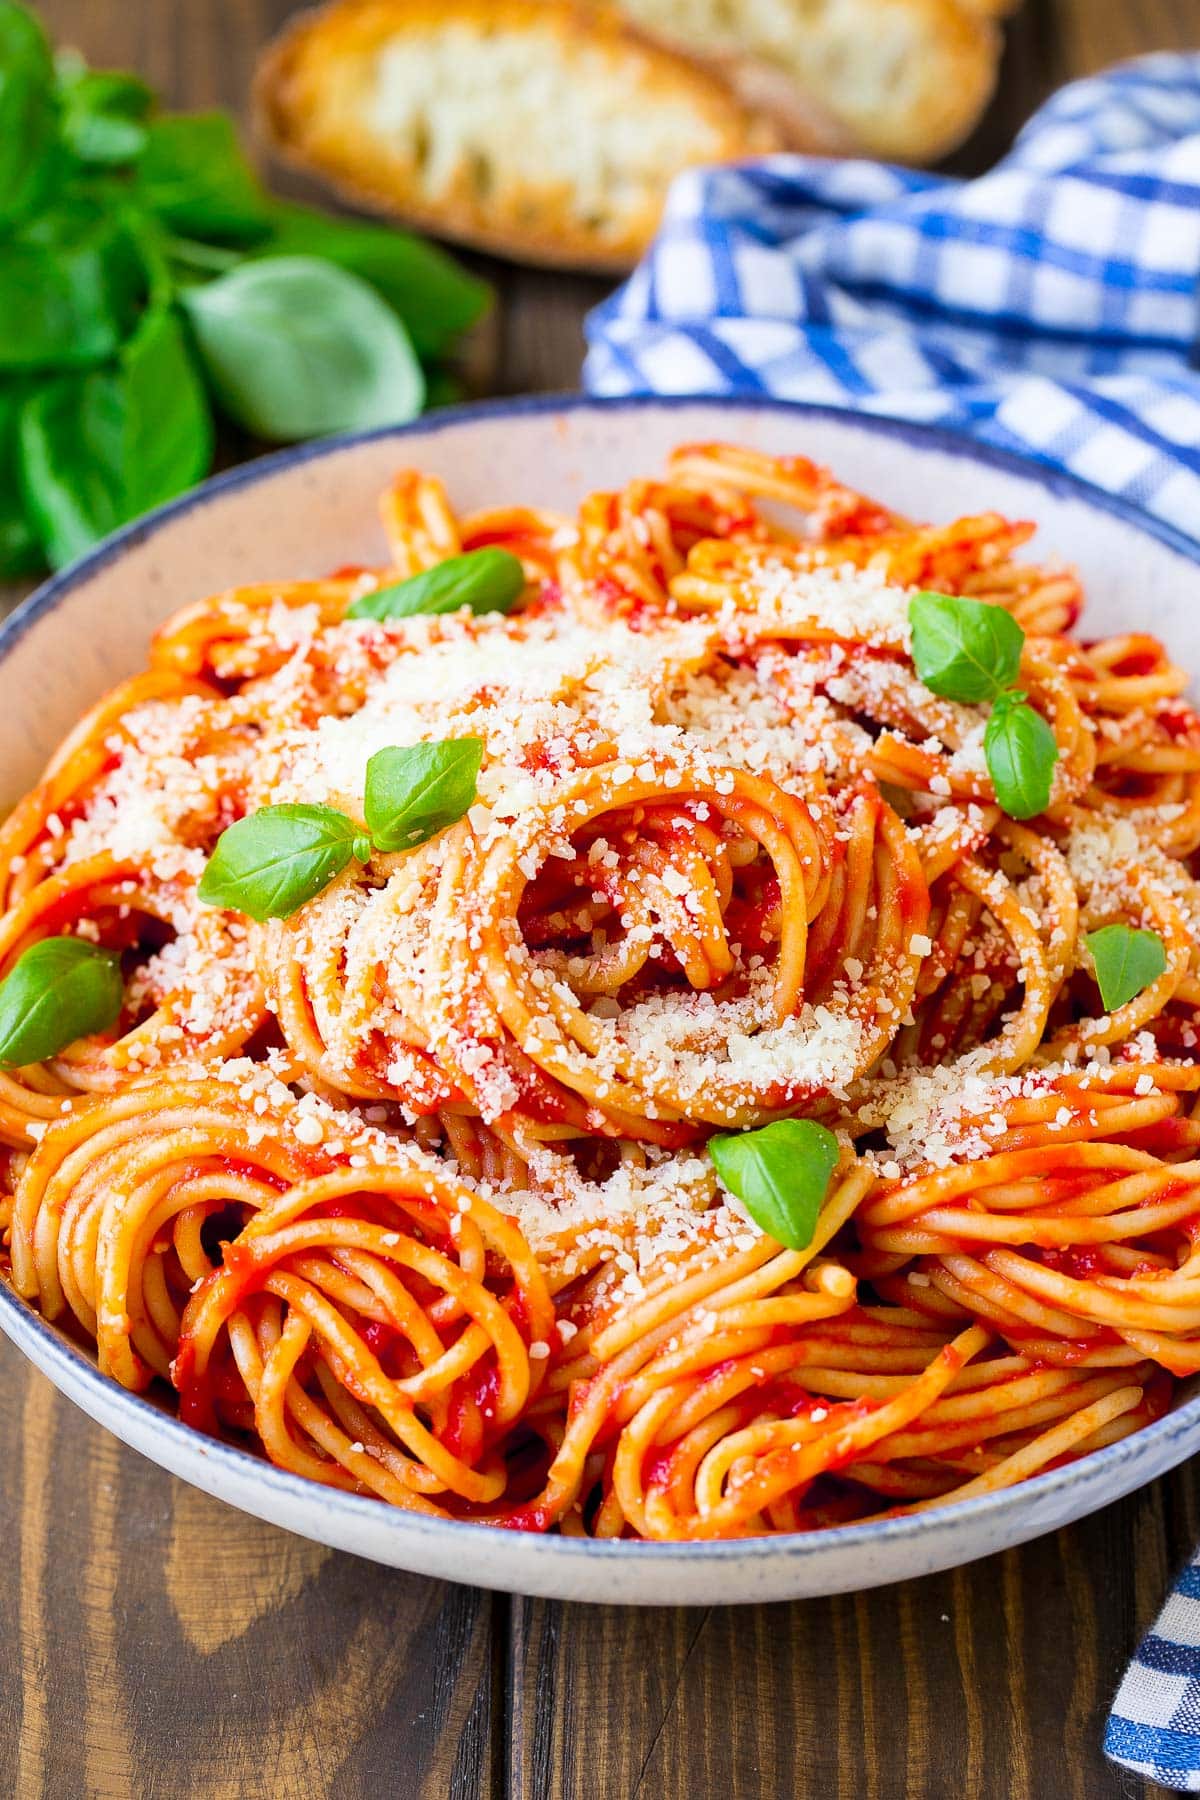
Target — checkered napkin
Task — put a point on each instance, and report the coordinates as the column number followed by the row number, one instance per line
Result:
column 1154, row 1726
column 1049, row 307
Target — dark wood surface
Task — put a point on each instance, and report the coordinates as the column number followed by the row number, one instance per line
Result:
column 156, row 1643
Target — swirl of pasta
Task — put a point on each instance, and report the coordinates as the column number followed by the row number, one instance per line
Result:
column 411, row 1189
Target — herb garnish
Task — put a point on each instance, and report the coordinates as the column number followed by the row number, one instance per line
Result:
column 780, row 1173
column 413, row 793
column 57, row 991
column 1126, row 961
column 145, row 273
column 970, row 651
column 274, row 860
column 488, row 580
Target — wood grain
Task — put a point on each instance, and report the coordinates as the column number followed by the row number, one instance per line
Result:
column 991, row 1680
column 161, row 1645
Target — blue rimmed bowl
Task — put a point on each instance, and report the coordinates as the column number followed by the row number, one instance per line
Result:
column 308, row 510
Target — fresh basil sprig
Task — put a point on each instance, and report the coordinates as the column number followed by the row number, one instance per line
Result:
column 28, row 113
column 192, row 175
column 20, row 551
column 57, row 991
column 297, row 348
column 780, row 1173
column 1126, row 961
column 412, row 793
column 436, row 299
column 99, row 448
column 121, row 226
column 274, row 860
column 964, row 649
column 1021, row 753
column 72, row 283
column 488, row 580
column 970, row 651
column 103, row 112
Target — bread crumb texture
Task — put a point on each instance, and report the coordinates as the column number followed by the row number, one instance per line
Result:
column 525, row 127
column 900, row 79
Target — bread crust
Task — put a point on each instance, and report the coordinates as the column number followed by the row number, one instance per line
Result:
column 905, row 80
column 312, row 92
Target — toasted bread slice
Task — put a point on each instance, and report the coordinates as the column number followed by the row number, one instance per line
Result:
column 524, row 127
column 906, row 79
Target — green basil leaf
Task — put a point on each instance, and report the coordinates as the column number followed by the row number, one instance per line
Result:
column 412, row 793
column 28, row 113
column 198, row 259
column 20, row 547
column 436, row 299
column 193, row 175
column 488, row 580
column 99, row 449
column 153, row 243
column 1020, row 752
column 59, row 990
column 115, row 89
column 272, row 861
column 106, row 139
column 103, row 115
column 295, row 348
column 1126, row 961
column 780, row 1173
column 71, row 286
column 964, row 649
column 168, row 427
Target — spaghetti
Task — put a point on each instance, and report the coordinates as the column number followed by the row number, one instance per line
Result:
column 410, row 1188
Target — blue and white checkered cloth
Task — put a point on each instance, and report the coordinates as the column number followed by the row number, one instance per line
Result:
column 1051, row 307
column 1154, row 1726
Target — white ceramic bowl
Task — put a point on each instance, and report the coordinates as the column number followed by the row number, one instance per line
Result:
column 305, row 511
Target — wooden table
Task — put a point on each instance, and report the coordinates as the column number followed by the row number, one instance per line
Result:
column 159, row 1644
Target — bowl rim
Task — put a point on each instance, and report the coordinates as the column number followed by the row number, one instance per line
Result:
column 947, row 438
column 67, row 1364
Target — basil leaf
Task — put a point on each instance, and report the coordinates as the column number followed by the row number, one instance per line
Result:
column 436, row 299
column 98, row 449
column 780, row 1173
column 107, row 139
column 57, row 991
column 964, row 649
column 193, row 175
column 1020, row 751
column 295, row 348
column 103, row 115
column 168, row 426
column 488, row 580
column 28, row 113
column 71, row 285
column 413, row 793
column 153, row 242
column 196, row 258
column 1126, row 962
column 272, row 861
column 20, row 549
